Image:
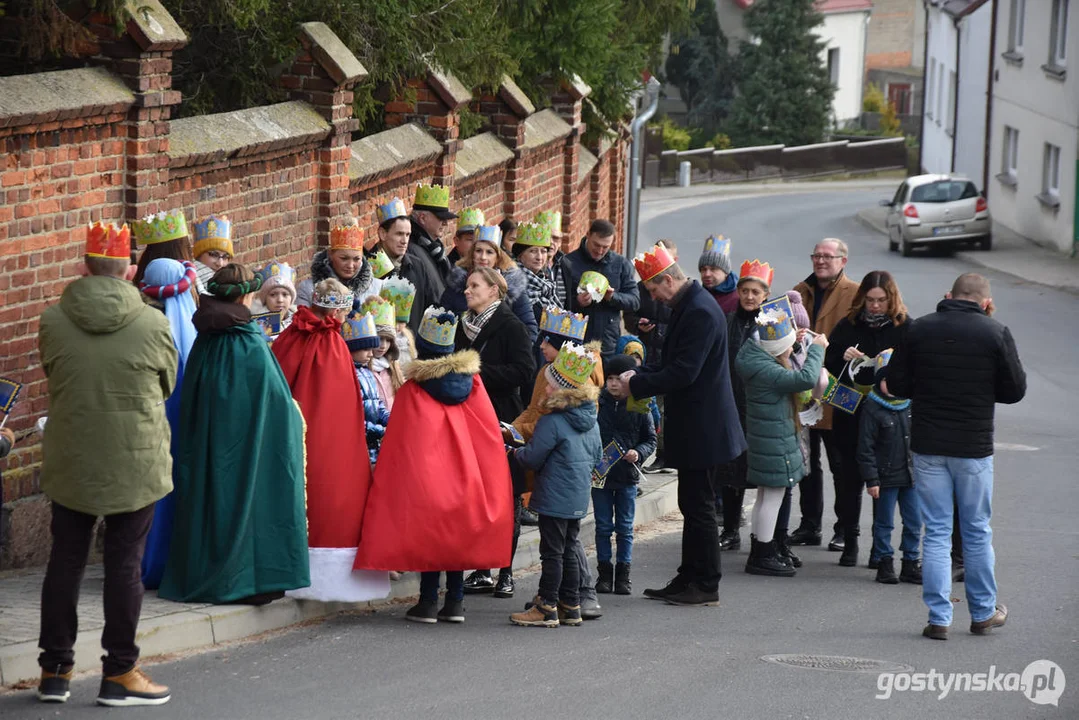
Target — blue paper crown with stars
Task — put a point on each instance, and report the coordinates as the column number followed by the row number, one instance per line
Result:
column 360, row 333
column 281, row 271
column 438, row 328
column 774, row 324
column 391, row 211
column 489, row 233
column 718, row 244
column 557, row 321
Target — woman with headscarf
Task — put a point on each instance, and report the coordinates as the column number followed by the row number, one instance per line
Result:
column 240, row 533
column 167, row 284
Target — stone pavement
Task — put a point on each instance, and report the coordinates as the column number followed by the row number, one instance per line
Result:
column 1012, row 255
column 167, row 627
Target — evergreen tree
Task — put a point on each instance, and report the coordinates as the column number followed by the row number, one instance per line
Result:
column 700, row 66
column 784, row 92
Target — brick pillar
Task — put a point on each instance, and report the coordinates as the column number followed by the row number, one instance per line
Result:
column 323, row 75
column 435, row 102
column 507, row 108
column 142, row 57
column 567, row 99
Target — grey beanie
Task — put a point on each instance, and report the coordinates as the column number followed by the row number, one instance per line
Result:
column 714, row 258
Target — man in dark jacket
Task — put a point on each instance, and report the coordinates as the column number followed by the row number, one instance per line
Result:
column 430, row 213
column 955, row 365
column 603, row 315
column 703, row 431
column 395, row 238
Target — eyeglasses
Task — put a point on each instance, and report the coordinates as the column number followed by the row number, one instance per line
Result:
column 216, row 255
column 818, row 256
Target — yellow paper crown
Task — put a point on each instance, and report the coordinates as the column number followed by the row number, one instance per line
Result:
column 438, row 327
column 213, row 233
column 550, row 219
column 533, row 234
column 470, row 219
column 432, row 196
column 402, row 294
column 572, row 367
column 381, row 310
column 159, row 228
column 380, row 262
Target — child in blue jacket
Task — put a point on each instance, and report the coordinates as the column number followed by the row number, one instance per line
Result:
column 563, row 450
column 362, row 338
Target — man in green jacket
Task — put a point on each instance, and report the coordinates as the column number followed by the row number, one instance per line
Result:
column 111, row 364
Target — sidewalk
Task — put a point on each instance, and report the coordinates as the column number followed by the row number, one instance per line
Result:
column 673, row 192
column 1011, row 254
column 167, row 627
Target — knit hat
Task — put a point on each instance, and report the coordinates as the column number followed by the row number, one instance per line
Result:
column 776, row 332
column 618, row 364
column 801, row 317
column 277, row 275
column 717, row 254
column 360, row 333
column 630, row 345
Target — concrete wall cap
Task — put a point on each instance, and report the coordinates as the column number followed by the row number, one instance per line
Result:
column 152, row 27
column 586, row 163
column 450, row 91
column 214, row 137
column 480, row 153
column 512, row 94
column 332, row 54
column 86, row 90
column 545, row 127
column 390, row 149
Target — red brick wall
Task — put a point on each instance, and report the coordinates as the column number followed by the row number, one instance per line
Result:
column 487, row 191
column 539, row 185
column 400, row 183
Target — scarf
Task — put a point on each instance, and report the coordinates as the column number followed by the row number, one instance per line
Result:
column 216, row 315
column 875, row 320
column 473, row 323
column 895, row 404
column 540, row 290
column 357, row 285
column 170, row 282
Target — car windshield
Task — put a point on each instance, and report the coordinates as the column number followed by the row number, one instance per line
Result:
column 944, row 191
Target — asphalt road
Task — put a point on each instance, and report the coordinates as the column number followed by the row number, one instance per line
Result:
column 644, row 659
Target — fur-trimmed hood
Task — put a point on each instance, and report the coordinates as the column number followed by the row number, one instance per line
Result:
column 322, row 269
column 516, row 282
column 465, row 362
column 567, row 399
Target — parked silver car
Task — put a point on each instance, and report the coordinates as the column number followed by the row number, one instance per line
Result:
column 936, row 210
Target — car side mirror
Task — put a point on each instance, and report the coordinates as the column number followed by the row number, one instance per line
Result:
column 885, row 203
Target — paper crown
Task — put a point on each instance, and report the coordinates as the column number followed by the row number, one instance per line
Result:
column 533, row 234
column 561, row 322
column 392, row 210
column 884, row 357
column 402, row 294
column 380, row 262
column 470, row 219
column 550, row 219
column 432, row 196
column 490, row 234
column 360, row 333
column 213, row 233
column 717, row 244
column 756, row 270
column 108, row 241
column 9, row 389
column 652, row 263
column 347, row 237
column 332, row 300
column 381, row 310
column 438, row 327
column 277, row 272
column 160, row 228
column 594, row 283
column 572, row 367
column 781, row 304
column 774, row 324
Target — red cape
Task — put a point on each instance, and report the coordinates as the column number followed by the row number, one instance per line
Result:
column 442, row 497
column 319, row 370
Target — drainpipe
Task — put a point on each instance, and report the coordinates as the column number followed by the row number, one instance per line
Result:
column 925, row 68
column 633, row 211
column 989, row 90
column 955, row 110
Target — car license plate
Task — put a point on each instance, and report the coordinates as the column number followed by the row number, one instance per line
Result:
column 948, row 230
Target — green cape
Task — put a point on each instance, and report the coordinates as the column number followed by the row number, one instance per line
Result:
column 240, row 526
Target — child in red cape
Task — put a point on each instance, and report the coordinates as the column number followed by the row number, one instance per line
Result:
column 319, row 371
column 442, row 499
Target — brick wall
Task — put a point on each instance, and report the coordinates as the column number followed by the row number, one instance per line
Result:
column 890, row 35
column 100, row 145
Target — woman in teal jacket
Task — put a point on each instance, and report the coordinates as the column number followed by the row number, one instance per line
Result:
column 775, row 457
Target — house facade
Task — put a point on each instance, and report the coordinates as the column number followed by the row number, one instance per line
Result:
column 1034, row 120
column 846, row 23
column 957, row 73
column 895, row 52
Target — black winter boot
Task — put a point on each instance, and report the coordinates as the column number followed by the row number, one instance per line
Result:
column 886, row 571
column 605, row 581
column 911, row 572
column 849, row 558
column 764, row 560
column 730, row 539
column 622, row 584
column 783, row 546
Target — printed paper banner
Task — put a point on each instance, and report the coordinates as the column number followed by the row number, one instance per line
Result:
column 270, row 323
column 9, row 393
column 611, row 454
column 516, row 439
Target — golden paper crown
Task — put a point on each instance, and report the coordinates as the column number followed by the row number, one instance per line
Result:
column 757, row 270
column 108, row 241
column 402, row 294
column 347, row 237
column 573, row 366
column 550, row 219
column 438, row 327
column 470, row 219
column 162, row 227
column 213, row 233
column 432, row 196
column 380, row 262
column 533, row 234
column 652, row 263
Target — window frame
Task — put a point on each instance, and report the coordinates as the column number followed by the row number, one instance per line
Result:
column 949, row 121
column 932, row 88
column 833, row 68
column 1058, row 34
column 1010, row 155
column 1016, row 26
column 1051, row 171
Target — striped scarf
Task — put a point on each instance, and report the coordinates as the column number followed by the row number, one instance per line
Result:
column 540, row 290
column 473, row 323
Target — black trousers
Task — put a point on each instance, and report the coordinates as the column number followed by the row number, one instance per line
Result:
column 560, row 576
column 732, row 507
column 849, row 486
column 700, row 533
column 125, row 540
column 811, row 489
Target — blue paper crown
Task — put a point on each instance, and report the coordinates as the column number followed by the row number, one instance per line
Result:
column 277, row 270
column 360, row 332
column 392, row 210
column 9, row 392
column 214, row 227
column 774, row 325
column 556, row 321
column 489, row 233
column 438, row 327
column 719, row 244
column 780, row 304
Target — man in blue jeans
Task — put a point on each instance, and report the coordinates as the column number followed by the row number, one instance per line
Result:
column 955, row 365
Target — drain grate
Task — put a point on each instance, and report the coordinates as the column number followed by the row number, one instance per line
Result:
column 837, row 663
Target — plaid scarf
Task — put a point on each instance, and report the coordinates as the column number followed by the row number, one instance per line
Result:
column 555, row 276
column 473, row 323
column 540, row 290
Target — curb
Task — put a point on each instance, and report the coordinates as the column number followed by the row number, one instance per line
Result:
column 218, row 624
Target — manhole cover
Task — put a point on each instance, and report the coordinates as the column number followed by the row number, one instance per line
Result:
column 837, row 663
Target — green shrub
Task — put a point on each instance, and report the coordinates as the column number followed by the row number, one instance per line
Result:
column 889, row 122
column 873, row 101
column 721, row 141
column 674, row 137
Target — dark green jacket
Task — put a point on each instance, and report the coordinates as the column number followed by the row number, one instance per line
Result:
column 775, row 459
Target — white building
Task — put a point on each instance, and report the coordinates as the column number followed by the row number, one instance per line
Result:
column 1034, row 120
column 844, row 33
column 956, row 87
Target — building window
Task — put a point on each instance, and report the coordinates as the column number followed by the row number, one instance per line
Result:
column 899, row 97
column 940, row 93
column 932, row 84
column 1015, row 26
column 1051, row 171
column 1058, row 37
column 950, row 119
column 1010, row 162
column 833, row 66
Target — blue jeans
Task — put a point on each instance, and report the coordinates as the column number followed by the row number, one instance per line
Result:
column 455, row 585
column 937, row 480
column 884, row 522
column 614, row 510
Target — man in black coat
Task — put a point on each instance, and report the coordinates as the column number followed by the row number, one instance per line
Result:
column 604, row 316
column 430, row 213
column 955, row 365
column 703, row 431
column 412, row 265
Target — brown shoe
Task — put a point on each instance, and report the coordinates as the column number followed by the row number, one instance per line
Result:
column 536, row 614
column 132, row 688
column 995, row 620
column 55, row 687
column 935, row 632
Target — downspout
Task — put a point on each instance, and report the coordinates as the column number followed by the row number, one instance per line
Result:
column 989, row 101
column 636, row 129
column 925, row 67
column 955, row 110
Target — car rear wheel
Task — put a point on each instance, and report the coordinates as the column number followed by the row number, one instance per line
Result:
column 892, row 244
column 908, row 248
column 986, row 243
